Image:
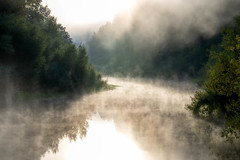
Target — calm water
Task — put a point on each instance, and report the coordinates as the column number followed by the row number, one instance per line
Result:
column 136, row 121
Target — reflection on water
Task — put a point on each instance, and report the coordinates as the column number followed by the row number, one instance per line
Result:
column 102, row 141
column 138, row 120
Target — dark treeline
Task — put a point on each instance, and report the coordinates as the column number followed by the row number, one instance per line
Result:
column 40, row 52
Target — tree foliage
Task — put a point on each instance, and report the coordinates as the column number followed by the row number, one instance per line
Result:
column 219, row 101
column 41, row 50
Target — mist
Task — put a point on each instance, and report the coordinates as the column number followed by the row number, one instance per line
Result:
column 137, row 75
column 151, row 111
column 160, row 38
column 181, row 21
column 83, row 33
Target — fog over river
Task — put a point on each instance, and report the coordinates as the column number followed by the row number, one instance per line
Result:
column 139, row 120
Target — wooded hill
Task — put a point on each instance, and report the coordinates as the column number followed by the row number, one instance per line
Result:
column 40, row 51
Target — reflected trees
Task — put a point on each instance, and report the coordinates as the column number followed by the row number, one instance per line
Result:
column 28, row 133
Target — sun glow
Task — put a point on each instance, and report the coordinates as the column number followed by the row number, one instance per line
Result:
column 102, row 142
column 78, row 12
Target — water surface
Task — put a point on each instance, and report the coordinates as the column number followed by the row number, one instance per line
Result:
column 141, row 120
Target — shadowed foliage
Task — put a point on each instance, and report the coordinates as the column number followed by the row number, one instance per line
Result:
column 41, row 51
column 219, row 100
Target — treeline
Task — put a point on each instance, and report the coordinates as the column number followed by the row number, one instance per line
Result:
column 128, row 55
column 157, row 40
column 40, row 51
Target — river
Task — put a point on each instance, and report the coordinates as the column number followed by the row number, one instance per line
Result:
column 140, row 120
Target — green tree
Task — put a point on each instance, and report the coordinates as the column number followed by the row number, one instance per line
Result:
column 41, row 51
column 219, row 101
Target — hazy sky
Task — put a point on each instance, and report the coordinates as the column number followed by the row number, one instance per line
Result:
column 85, row 13
column 154, row 17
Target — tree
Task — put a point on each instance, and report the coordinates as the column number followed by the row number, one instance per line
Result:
column 40, row 49
column 219, row 101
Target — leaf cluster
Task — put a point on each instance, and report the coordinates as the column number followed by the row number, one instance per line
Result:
column 220, row 98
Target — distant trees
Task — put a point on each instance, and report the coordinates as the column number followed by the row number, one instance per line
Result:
column 219, row 101
column 127, row 54
column 41, row 50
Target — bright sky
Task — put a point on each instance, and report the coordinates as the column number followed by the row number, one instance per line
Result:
column 86, row 12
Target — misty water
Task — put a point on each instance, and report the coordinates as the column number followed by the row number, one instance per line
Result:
column 140, row 120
